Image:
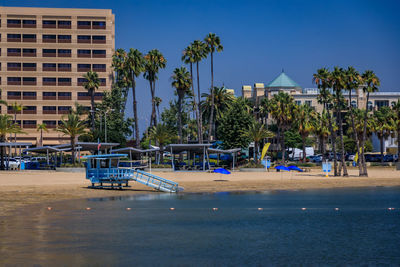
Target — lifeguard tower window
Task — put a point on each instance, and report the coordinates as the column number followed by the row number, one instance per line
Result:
column 114, row 163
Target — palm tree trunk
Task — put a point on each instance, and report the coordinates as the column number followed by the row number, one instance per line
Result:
column 41, row 137
column 211, row 120
column 355, row 135
column 73, row 149
column 92, row 104
column 180, row 119
column 152, row 103
column 381, row 144
column 283, row 150
column 198, row 107
column 2, row 166
column 339, row 112
column 255, row 152
column 153, row 107
column 304, row 148
column 364, row 137
column 135, row 113
column 161, row 153
column 333, row 143
column 398, row 145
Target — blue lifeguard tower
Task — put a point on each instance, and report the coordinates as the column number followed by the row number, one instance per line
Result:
column 103, row 171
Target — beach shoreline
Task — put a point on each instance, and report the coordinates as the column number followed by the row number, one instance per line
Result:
column 18, row 190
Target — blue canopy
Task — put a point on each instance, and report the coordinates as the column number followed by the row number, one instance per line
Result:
column 281, row 167
column 222, row 171
column 295, row 168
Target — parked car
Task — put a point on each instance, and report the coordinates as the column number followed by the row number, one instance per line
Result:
column 389, row 158
column 317, row 158
column 12, row 163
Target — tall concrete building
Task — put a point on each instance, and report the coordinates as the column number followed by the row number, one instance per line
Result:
column 44, row 54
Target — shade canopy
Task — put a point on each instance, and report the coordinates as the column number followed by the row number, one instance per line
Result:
column 43, row 149
column 134, row 150
column 89, row 146
column 224, row 151
column 14, row 144
column 105, row 156
column 178, row 148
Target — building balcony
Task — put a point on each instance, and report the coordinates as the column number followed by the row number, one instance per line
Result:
column 49, row 98
column 84, row 55
column 63, row 26
column 13, row 54
column 64, row 69
column 99, row 55
column 29, row 97
column 14, row 40
column 29, row 68
column 98, row 27
column 64, row 41
column 29, row 40
column 99, row 69
column 13, row 25
column 28, row 25
column 14, row 97
column 49, row 54
column 83, row 69
column 49, row 69
column 64, row 97
column 47, row 83
column 49, row 26
column 13, row 68
column 14, row 83
column 84, row 41
column 64, row 83
column 29, row 54
column 49, row 40
column 64, row 55
column 98, row 41
column 29, row 111
column 84, row 27
column 29, row 83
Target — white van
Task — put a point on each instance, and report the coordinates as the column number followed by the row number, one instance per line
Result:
column 298, row 153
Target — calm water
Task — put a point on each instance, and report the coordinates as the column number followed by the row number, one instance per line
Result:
column 362, row 232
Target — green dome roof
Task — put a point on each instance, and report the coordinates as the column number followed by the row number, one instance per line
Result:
column 283, row 81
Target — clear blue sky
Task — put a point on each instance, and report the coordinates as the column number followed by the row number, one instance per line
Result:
column 260, row 37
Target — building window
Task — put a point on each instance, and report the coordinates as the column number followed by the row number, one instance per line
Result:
column 49, row 81
column 29, row 124
column 64, row 67
column 12, row 37
column 28, row 23
column 49, row 66
column 29, row 81
column 13, row 52
column 99, row 53
column 10, row 110
column 84, row 25
column 14, row 23
column 98, row 96
column 64, row 52
column 64, row 109
column 298, row 102
column 49, row 109
column 98, row 25
column 64, row 81
column 84, row 39
column 64, row 38
column 50, row 124
column 84, row 67
column 49, row 52
column 381, row 103
column 29, row 110
column 83, row 53
column 13, row 95
column 102, row 81
column 64, row 95
column 308, row 103
column 29, row 95
column 354, row 104
column 99, row 67
column 370, row 105
column 64, row 24
column 13, row 66
column 13, row 80
column 29, row 66
column 29, row 52
column 99, row 39
column 49, row 23
column 49, row 95
column 81, row 81
column 49, row 38
column 29, row 38
column 83, row 96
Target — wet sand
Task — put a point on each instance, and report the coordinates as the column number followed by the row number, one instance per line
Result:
column 20, row 189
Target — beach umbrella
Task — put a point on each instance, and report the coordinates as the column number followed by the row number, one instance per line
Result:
column 295, row 168
column 282, row 168
column 222, row 171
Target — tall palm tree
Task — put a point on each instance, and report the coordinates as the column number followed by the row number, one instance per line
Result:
column 384, row 125
column 6, row 127
column 305, row 122
column 181, row 81
column 17, row 109
column 213, row 43
column 40, row 128
column 188, row 58
column 257, row 132
column 338, row 84
column 122, row 76
column 282, row 110
column 134, row 66
column 73, row 127
column 370, row 84
column 352, row 82
column 321, row 130
column 396, row 111
column 321, row 78
column 91, row 84
column 200, row 52
column 162, row 135
column 154, row 61
column 222, row 101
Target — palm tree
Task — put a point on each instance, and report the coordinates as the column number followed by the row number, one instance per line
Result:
column 221, row 103
column 91, row 84
column 6, row 127
column 41, row 127
column 338, row 84
column 322, row 132
column 181, row 81
column 188, row 58
column 257, row 132
column 371, row 83
column 352, row 82
column 122, row 76
column 17, row 109
column 154, row 61
column 396, row 111
column 214, row 44
column 200, row 52
column 305, row 122
column 73, row 127
column 134, row 66
column 321, row 78
column 384, row 125
column 162, row 135
column 158, row 101
column 282, row 108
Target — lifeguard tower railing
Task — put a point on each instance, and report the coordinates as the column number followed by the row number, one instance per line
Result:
column 103, row 170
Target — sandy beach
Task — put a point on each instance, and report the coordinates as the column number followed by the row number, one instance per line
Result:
column 19, row 189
